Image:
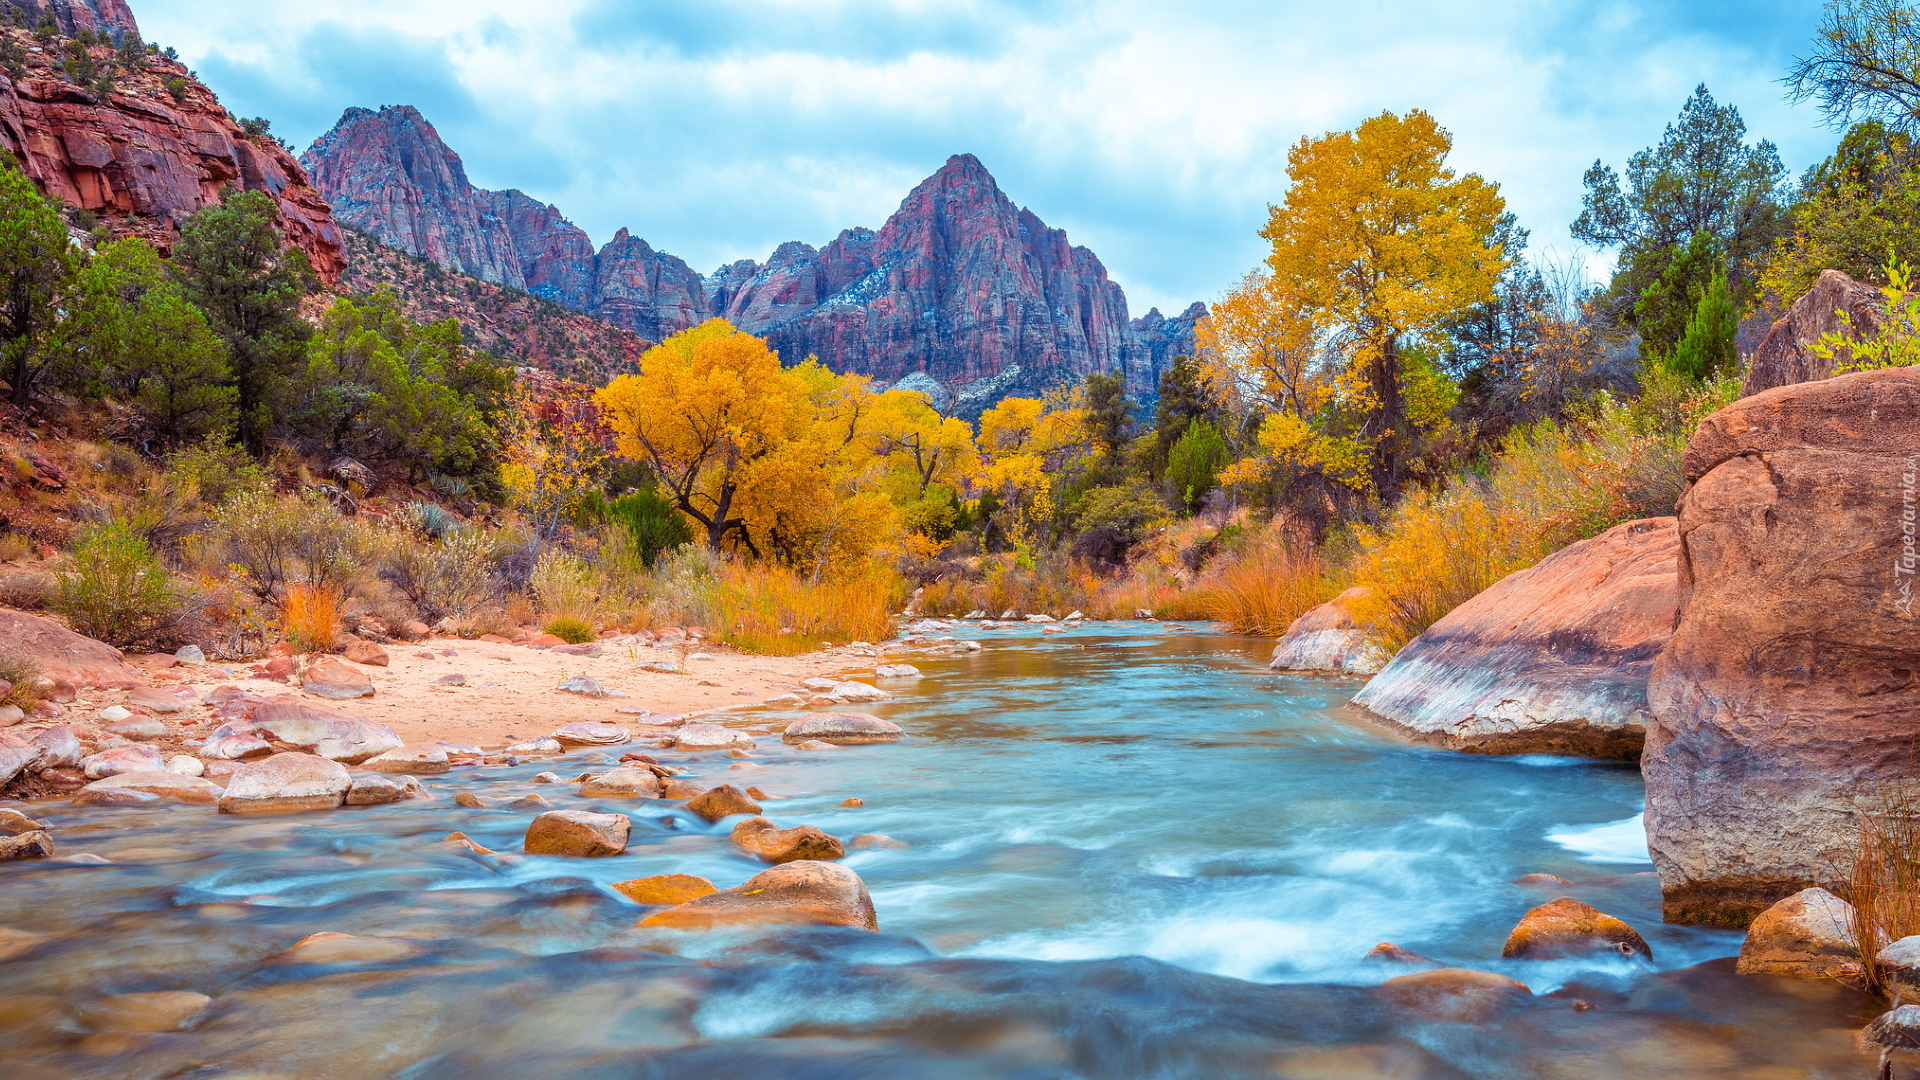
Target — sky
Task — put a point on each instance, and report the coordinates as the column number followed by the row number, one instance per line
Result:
column 1155, row 133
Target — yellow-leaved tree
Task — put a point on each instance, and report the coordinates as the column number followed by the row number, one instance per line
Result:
column 1377, row 244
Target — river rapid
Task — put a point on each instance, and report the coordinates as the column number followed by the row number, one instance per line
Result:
column 1134, row 853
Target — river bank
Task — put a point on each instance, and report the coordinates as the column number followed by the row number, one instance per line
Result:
column 1133, row 852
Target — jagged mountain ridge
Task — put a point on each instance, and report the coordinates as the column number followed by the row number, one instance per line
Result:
column 958, row 291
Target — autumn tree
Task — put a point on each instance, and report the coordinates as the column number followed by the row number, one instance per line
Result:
column 553, row 450
column 1376, row 246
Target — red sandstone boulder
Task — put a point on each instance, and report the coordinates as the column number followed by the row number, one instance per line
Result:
column 625, row 782
column 769, row 843
column 1551, row 659
column 796, row 894
column 841, row 729
column 1789, row 689
column 1327, row 638
column 1567, row 927
column 578, row 833
column 665, row 889
column 1809, row 934
column 287, row 781
column 166, row 785
column 319, row 730
column 60, row 653
column 329, row 678
column 723, row 801
column 1786, row 355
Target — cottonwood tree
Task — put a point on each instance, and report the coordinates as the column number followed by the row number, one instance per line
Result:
column 1377, row 245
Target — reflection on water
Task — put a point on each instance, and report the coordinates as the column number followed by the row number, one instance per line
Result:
column 1152, row 859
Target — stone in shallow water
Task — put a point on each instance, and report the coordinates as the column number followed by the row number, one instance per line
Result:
column 1809, row 934
column 591, row 733
column 873, row 840
column 13, row 822
column 663, row 889
column 796, row 894
column 769, row 843
column 287, row 781
column 28, row 845
column 1897, row 1029
column 723, row 801
column 165, row 784
column 417, row 758
column 578, row 833
column 627, row 782
column 710, row 737
column 542, row 745
column 332, row 948
column 372, row 789
column 1567, row 927
column 845, row 729
column 123, row 759
column 1453, row 995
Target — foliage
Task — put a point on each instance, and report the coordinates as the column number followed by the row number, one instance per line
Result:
column 565, row 586
column 310, row 617
column 132, row 332
column 238, row 270
column 1666, row 306
column 1702, row 177
column 1883, row 880
column 770, row 609
column 1267, row 587
column 24, row 675
column 1195, row 462
column 118, row 592
column 572, row 630
column 1109, row 413
column 280, row 542
column 1112, row 519
column 446, row 571
column 1185, row 396
column 36, row 264
column 1708, row 347
column 651, row 522
column 1866, row 64
column 1377, row 245
column 1856, row 210
column 552, row 448
column 212, row 471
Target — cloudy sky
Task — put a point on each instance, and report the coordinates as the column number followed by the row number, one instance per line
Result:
column 1154, row 133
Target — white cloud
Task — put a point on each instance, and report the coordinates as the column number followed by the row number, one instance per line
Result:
column 1155, row 134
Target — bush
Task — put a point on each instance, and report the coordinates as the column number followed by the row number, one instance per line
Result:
column 1113, row 519
column 448, row 578
column 1264, row 589
column 1195, row 462
column 565, row 586
column 766, row 608
column 214, row 470
column 310, row 617
column 24, row 674
column 120, row 593
column 281, row 542
column 14, row 546
column 572, row 631
column 650, row 522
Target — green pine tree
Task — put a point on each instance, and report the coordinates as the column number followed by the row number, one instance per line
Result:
column 1707, row 348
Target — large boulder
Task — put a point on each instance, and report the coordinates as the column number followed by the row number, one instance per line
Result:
column 286, row 781
column 769, row 843
column 1809, row 934
column 60, row 653
column 1786, row 357
column 1551, row 659
column 166, row 785
column 330, row 678
column 322, row 731
column 1567, row 927
column 578, row 833
column 1329, row 638
column 796, row 894
column 1785, row 699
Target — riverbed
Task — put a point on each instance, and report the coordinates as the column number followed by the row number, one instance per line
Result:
column 1134, row 852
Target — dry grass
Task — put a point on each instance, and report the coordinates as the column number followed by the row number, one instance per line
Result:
column 1265, row 588
column 1436, row 551
column 310, row 617
column 570, row 630
column 13, row 546
column 1884, row 882
column 769, row 609
column 24, row 674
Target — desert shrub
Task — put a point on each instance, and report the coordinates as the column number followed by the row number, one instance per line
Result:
column 28, row 590
column 684, row 588
column 1263, row 589
column 448, row 578
column 565, row 586
column 118, row 591
column 431, row 520
column 651, row 523
column 571, row 630
column 767, row 608
column 14, row 546
column 310, row 617
column 299, row 540
column 1112, row 519
column 24, row 674
column 214, row 470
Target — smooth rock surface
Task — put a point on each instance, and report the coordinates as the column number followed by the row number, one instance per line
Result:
column 1327, row 638
column 123, row 759
column 1809, row 934
column 419, row 759
column 1786, row 357
column 845, row 729
column 769, row 843
column 591, row 733
column 698, row 736
column 286, row 781
column 1454, row 995
column 578, row 833
column 153, row 1010
column 322, row 731
column 167, row 785
column 723, row 801
column 624, row 782
column 665, row 889
column 1551, row 659
column 798, row 893
column 60, row 653
column 27, row 845
column 330, row 678
column 1567, row 927
column 1788, row 691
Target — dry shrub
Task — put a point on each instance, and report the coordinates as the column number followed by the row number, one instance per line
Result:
column 117, row 592
column 310, row 617
column 565, row 586
column 14, row 546
column 1884, row 882
column 769, row 609
column 24, row 674
column 1265, row 588
column 1435, row 552
column 448, row 577
column 303, row 539
column 28, row 590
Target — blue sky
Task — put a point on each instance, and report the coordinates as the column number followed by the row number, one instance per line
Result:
column 1154, row 133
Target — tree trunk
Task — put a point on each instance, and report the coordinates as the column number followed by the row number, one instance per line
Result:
column 1386, row 425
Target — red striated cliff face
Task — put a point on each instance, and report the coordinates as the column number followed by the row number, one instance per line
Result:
column 959, row 290
column 145, row 161
column 73, row 16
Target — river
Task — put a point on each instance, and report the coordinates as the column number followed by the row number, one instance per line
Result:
column 1134, row 853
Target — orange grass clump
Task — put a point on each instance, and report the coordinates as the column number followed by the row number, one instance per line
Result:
column 764, row 608
column 310, row 618
column 1264, row 589
column 1884, row 883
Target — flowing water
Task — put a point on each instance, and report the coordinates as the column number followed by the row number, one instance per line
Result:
column 1135, row 853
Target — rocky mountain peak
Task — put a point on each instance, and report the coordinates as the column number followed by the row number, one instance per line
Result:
column 74, row 16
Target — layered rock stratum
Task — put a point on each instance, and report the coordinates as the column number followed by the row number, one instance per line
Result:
column 960, row 293
column 1551, row 659
column 1784, row 705
column 138, row 156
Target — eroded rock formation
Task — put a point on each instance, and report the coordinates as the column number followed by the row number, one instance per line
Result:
column 1551, row 659
column 1786, row 355
column 73, row 16
column 1785, row 702
column 960, row 292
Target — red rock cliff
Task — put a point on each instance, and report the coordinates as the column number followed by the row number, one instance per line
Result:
column 73, row 16
column 144, row 160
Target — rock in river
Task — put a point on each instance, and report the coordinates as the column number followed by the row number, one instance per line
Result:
column 723, row 801
column 1454, row 995
column 1328, row 638
column 627, row 782
column 664, row 889
column 1788, row 692
column 419, row 759
column 1551, row 659
column 286, row 781
column 578, row 833
column 845, row 729
column 28, row 845
column 798, row 893
column 1567, row 927
column 769, row 843
column 167, row 785
column 1809, row 934
column 591, row 733
column 322, row 731
column 710, row 737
